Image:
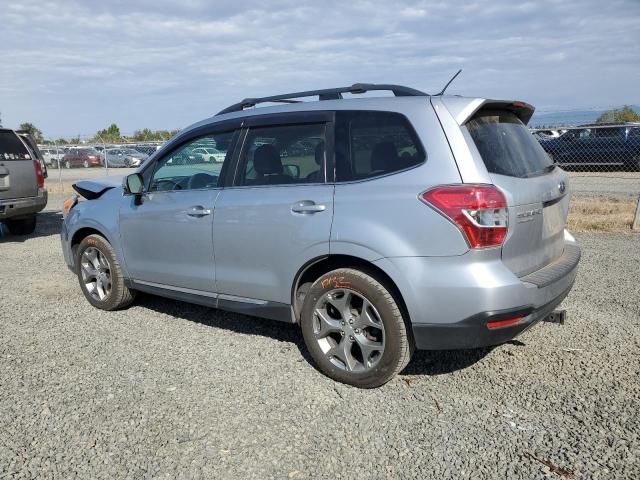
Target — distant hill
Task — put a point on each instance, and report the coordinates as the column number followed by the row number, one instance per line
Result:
column 568, row 118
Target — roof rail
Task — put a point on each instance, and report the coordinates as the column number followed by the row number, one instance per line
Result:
column 326, row 94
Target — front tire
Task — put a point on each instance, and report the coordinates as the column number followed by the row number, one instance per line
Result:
column 354, row 329
column 100, row 275
column 24, row 226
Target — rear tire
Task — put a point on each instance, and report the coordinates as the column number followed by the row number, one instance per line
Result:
column 354, row 329
column 100, row 275
column 24, row 226
column 67, row 164
column 85, row 164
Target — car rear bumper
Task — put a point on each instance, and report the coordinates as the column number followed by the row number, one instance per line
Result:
column 23, row 207
column 473, row 331
column 450, row 300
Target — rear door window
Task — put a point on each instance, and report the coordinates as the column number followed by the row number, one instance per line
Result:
column 506, row 145
column 11, row 148
column 284, row 154
column 369, row 144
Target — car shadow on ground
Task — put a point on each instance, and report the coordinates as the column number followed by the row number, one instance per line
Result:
column 423, row 362
column 48, row 223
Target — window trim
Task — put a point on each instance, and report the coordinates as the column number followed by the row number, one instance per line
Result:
column 410, row 129
column 149, row 168
column 283, row 120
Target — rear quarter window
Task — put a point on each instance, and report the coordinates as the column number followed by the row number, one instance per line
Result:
column 12, row 148
column 506, row 145
column 370, row 144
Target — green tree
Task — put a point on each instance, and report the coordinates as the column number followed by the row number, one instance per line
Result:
column 35, row 132
column 109, row 134
column 619, row 115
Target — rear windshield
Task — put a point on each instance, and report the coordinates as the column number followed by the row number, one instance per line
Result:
column 506, row 145
column 11, row 148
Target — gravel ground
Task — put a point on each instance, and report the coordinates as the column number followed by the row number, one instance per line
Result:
column 606, row 183
column 167, row 389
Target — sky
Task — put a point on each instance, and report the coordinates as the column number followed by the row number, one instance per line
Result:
column 72, row 67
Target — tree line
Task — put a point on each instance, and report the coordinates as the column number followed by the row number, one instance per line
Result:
column 110, row 134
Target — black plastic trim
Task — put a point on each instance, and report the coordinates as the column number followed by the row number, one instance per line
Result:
column 472, row 332
column 556, row 270
column 271, row 310
column 326, row 94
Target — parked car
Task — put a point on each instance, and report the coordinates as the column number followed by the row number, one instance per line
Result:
column 32, row 146
column 146, row 148
column 596, row 146
column 124, row 157
column 82, row 157
column 22, row 191
column 209, row 154
column 409, row 224
column 548, row 133
column 52, row 156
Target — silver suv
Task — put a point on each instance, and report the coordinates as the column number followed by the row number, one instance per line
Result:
column 379, row 225
column 22, row 175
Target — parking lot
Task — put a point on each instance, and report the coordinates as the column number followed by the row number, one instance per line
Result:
column 168, row 389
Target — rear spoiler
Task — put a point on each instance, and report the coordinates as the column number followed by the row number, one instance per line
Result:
column 462, row 109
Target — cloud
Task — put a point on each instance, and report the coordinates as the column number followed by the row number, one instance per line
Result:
column 74, row 67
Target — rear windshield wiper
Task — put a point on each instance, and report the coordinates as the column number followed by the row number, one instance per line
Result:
column 547, row 169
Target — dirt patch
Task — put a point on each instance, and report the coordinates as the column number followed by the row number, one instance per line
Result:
column 601, row 214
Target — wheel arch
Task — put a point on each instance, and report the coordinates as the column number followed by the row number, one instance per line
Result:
column 82, row 233
column 317, row 267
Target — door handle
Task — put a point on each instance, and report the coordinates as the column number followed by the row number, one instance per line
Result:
column 198, row 211
column 307, row 206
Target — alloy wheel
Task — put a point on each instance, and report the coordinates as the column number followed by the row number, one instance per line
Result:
column 96, row 273
column 349, row 330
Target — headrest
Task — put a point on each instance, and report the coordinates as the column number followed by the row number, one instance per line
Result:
column 384, row 156
column 266, row 160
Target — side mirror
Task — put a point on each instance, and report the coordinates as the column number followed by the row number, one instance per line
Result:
column 292, row 170
column 134, row 184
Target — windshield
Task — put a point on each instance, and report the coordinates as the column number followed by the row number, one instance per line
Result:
column 506, row 146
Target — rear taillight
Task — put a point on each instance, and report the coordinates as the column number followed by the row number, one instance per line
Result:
column 479, row 211
column 39, row 173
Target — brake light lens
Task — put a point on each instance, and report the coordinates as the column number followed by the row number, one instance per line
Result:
column 504, row 323
column 479, row 211
column 39, row 173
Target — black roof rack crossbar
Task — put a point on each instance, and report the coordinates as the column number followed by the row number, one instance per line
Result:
column 326, row 94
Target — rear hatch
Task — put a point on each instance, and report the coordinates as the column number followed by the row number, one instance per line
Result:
column 17, row 173
column 536, row 190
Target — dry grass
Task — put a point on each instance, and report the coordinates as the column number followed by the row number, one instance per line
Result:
column 601, row 214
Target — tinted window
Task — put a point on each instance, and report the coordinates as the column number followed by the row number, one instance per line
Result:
column 506, row 146
column 369, row 144
column 11, row 148
column 608, row 132
column 284, row 155
column 187, row 169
